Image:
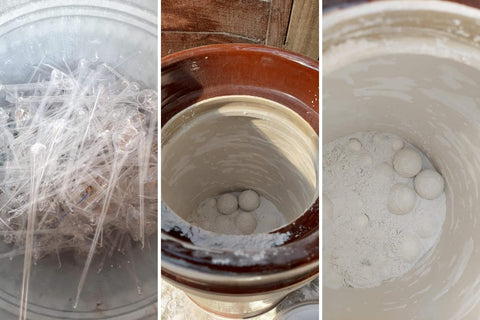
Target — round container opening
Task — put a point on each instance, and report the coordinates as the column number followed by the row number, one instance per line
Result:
column 232, row 143
column 423, row 86
column 238, row 117
column 62, row 34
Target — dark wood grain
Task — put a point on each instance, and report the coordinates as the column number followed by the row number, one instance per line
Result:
column 187, row 24
column 176, row 41
column 245, row 18
column 279, row 18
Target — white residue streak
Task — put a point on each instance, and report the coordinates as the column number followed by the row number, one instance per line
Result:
column 207, row 239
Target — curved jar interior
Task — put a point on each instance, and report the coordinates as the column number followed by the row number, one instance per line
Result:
column 429, row 95
column 232, row 143
column 275, row 91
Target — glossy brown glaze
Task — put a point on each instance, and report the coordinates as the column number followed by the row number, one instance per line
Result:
column 292, row 80
column 210, row 71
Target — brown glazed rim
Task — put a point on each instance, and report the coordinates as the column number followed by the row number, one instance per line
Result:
column 205, row 72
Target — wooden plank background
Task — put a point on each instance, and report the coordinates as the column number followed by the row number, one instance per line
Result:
column 303, row 29
column 187, row 23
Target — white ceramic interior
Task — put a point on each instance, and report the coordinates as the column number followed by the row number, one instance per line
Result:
column 412, row 68
column 232, row 143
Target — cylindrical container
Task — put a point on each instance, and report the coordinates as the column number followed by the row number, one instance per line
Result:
column 237, row 117
column 123, row 34
column 413, row 68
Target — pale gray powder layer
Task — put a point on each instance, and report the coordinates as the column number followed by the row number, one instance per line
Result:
column 207, row 239
column 365, row 244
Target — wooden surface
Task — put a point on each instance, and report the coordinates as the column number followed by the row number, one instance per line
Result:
column 178, row 41
column 245, row 18
column 277, row 28
column 303, row 28
column 188, row 23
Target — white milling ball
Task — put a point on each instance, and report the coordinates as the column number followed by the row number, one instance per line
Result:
column 397, row 144
column 224, row 224
column 407, row 162
column 246, row 222
column 248, row 200
column 429, row 184
column 327, row 207
column 227, row 203
column 354, row 144
column 361, row 221
column 410, row 249
column 206, row 224
column 401, row 199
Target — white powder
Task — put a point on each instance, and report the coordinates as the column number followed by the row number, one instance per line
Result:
column 364, row 243
column 206, row 239
column 207, row 216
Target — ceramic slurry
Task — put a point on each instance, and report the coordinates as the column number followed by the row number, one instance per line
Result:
column 234, row 143
column 434, row 104
column 365, row 241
